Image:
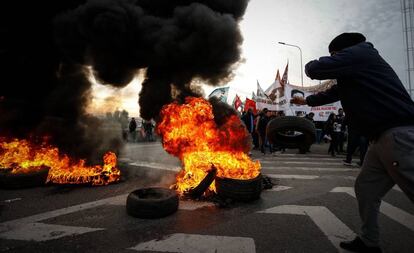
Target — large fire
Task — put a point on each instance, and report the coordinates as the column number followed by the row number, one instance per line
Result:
column 190, row 133
column 22, row 156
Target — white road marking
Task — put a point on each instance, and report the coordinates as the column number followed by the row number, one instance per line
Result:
column 330, row 225
column 193, row 205
column 397, row 188
column 43, row 232
column 276, row 162
column 11, row 200
column 157, row 166
column 64, row 211
column 338, row 177
column 306, row 156
column 29, row 228
column 124, row 159
column 142, row 145
column 279, row 188
column 278, row 158
column 310, row 169
column 281, row 176
column 191, row 243
column 389, row 210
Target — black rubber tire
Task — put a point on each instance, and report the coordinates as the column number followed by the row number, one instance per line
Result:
column 204, row 184
column 278, row 126
column 239, row 190
column 152, row 203
column 31, row 179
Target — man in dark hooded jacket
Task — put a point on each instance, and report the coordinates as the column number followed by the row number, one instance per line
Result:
column 379, row 107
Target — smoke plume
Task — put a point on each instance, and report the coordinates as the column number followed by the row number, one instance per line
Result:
column 45, row 50
column 176, row 41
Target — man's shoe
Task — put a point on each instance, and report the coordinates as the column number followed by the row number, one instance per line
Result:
column 346, row 163
column 357, row 245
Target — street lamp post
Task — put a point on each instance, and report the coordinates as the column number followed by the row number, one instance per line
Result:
column 301, row 62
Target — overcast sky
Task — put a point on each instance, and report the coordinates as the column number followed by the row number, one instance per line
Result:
column 310, row 24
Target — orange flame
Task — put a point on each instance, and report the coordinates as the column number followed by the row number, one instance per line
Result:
column 190, row 133
column 22, row 156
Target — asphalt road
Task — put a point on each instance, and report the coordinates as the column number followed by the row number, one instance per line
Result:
column 311, row 209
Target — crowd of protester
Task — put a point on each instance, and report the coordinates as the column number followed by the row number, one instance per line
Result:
column 335, row 131
column 256, row 124
column 142, row 131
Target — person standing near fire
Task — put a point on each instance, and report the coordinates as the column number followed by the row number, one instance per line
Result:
column 248, row 120
column 261, row 130
column 379, row 107
column 340, row 130
column 132, row 129
column 148, row 127
column 330, row 131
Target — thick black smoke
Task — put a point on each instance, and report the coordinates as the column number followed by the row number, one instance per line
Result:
column 176, row 41
column 45, row 48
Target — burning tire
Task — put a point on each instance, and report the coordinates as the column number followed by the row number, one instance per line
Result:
column 33, row 178
column 239, row 190
column 204, row 184
column 291, row 132
column 152, row 203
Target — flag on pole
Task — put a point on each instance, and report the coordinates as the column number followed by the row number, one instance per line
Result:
column 271, row 91
column 220, row 93
column 254, row 97
column 277, row 76
column 237, row 102
column 250, row 104
column 285, row 75
column 260, row 92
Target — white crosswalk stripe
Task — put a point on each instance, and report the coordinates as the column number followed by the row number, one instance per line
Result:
column 192, row 243
column 387, row 209
column 327, row 222
column 311, row 169
column 157, row 166
column 397, row 188
column 31, row 229
column 301, row 163
column 283, row 176
column 293, row 158
column 42, row 232
column 279, row 188
column 304, row 156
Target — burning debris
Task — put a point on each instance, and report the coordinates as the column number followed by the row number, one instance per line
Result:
column 189, row 132
column 23, row 157
column 176, row 42
column 199, row 190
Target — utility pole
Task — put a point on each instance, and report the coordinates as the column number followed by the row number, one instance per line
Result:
column 301, row 61
column 407, row 9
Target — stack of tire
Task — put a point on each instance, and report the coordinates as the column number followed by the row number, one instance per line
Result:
column 152, row 203
column 291, row 132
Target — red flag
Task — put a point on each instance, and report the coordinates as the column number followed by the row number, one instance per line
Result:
column 285, row 76
column 250, row 104
column 237, row 102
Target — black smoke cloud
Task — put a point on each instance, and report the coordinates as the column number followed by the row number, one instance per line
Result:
column 45, row 48
column 175, row 41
